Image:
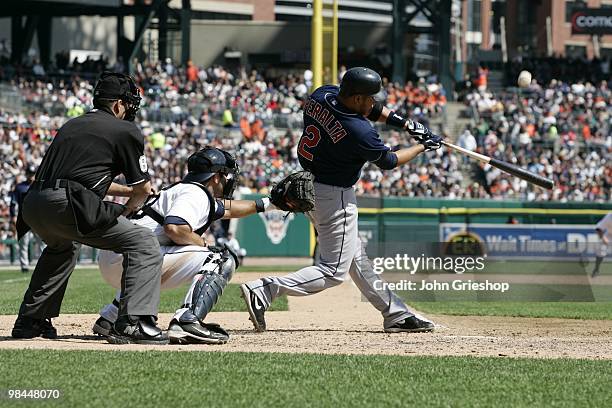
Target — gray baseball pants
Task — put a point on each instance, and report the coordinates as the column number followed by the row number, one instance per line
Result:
column 342, row 252
column 48, row 214
column 24, row 246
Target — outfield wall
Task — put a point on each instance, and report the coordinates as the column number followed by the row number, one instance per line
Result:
column 407, row 220
column 385, row 221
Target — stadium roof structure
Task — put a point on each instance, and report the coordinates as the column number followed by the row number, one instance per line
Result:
column 38, row 15
column 57, row 8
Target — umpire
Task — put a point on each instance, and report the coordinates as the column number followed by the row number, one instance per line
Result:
column 64, row 206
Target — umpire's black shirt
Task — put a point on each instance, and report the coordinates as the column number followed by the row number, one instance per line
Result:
column 93, row 149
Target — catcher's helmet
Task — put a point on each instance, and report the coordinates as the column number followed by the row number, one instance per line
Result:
column 113, row 86
column 207, row 162
column 362, row 81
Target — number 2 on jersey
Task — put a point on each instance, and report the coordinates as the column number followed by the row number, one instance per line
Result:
column 310, row 139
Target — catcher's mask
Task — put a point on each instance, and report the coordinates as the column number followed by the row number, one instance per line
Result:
column 204, row 164
column 113, row 86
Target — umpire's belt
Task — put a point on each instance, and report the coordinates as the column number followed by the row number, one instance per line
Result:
column 90, row 212
column 54, row 184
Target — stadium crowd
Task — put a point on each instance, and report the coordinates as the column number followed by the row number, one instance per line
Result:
column 567, row 69
column 257, row 116
column 559, row 130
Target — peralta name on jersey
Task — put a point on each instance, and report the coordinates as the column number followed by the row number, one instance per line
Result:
column 329, row 123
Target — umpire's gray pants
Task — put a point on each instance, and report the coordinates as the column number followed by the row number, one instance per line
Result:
column 48, row 214
column 335, row 218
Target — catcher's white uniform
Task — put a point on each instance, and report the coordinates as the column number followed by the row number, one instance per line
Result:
column 182, row 203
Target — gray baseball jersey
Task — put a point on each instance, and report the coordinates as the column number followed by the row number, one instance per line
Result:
column 335, row 145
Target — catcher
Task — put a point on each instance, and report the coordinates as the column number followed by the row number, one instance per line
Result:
column 179, row 215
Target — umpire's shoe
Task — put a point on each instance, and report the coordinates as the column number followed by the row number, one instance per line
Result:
column 28, row 328
column 102, row 327
column 411, row 324
column 255, row 307
column 196, row 333
column 136, row 330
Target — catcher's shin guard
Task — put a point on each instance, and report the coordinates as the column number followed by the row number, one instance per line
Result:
column 208, row 287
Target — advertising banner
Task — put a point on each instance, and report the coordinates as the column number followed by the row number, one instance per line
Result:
column 592, row 21
column 533, row 241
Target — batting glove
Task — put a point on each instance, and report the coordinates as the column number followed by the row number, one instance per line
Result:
column 417, row 131
column 433, row 142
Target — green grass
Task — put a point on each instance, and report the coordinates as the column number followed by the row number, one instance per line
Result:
column 516, row 292
column 562, row 310
column 522, row 300
column 545, row 267
column 518, row 267
column 87, row 293
column 102, row 379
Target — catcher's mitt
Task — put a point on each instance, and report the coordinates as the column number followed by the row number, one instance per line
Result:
column 295, row 193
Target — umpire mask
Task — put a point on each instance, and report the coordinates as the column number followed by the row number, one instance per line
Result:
column 204, row 164
column 113, row 86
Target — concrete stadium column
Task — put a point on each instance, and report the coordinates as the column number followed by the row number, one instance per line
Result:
column 511, row 27
column 398, row 38
column 185, row 32
column 162, row 48
column 545, row 9
column 485, row 24
column 16, row 38
column 444, row 47
column 44, row 34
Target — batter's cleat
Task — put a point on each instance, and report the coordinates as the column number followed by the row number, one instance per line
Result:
column 595, row 273
column 411, row 324
column 255, row 308
column 28, row 328
column 137, row 330
column 102, row 327
column 196, row 333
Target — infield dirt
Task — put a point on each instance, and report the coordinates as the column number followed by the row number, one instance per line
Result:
column 337, row 321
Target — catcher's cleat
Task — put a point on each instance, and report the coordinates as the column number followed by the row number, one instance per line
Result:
column 411, row 324
column 137, row 330
column 102, row 327
column 28, row 328
column 196, row 333
column 255, row 308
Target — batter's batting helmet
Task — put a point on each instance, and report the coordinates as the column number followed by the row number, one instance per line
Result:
column 114, row 85
column 207, row 162
column 362, row 81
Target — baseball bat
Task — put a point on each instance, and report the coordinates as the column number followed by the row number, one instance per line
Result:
column 505, row 166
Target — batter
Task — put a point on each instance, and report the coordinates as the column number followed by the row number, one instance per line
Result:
column 337, row 141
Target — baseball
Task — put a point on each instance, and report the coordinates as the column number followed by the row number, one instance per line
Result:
column 524, row 79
